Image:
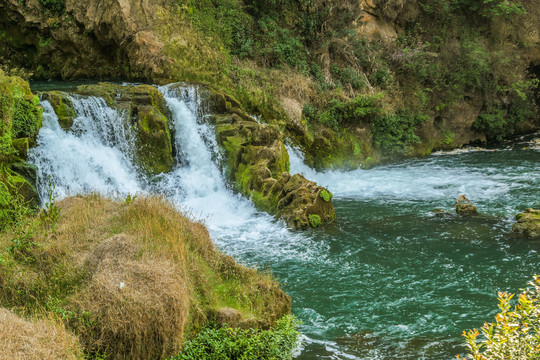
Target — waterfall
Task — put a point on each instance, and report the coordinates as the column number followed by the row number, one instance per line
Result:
column 92, row 157
column 96, row 155
column 385, row 250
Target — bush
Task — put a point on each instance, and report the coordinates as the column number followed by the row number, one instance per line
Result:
column 227, row 343
column 26, row 118
column 516, row 332
column 338, row 112
column 395, row 134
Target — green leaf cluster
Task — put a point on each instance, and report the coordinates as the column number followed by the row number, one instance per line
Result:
column 227, row 343
column 55, row 7
column 395, row 134
column 339, row 112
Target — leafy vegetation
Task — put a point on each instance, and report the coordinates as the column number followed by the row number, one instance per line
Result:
column 228, row 343
column 515, row 334
column 55, row 7
column 395, row 134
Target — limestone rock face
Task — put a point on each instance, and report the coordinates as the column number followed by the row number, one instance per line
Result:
column 91, row 39
column 384, row 19
column 528, row 223
column 147, row 111
column 258, row 165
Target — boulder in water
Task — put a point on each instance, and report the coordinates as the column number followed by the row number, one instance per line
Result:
column 464, row 206
column 528, row 223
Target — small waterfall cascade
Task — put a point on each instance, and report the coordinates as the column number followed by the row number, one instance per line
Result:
column 94, row 156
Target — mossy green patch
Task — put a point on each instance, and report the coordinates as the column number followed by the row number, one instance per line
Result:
column 326, row 195
column 315, row 220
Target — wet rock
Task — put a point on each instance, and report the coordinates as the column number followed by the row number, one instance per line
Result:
column 63, row 107
column 464, row 207
column 258, row 165
column 528, row 223
column 147, row 111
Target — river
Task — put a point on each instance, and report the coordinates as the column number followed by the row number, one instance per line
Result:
column 390, row 279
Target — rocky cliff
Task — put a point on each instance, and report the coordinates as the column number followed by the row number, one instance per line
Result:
column 446, row 73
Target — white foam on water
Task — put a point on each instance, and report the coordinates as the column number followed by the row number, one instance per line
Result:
column 419, row 180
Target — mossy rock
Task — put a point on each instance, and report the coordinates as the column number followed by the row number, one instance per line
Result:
column 21, row 147
column 148, row 113
column 27, row 171
column 528, row 223
column 258, row 164
column 17, row 185
column 20, row 113
column 154, row 147
column 107, row 91
column 466, row 209
column 63, row 107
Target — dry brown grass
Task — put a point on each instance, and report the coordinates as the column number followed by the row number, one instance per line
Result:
column 21, row 339
column 173, row 278
column 139, row 303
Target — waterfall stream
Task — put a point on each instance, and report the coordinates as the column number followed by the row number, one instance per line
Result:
column 389, row 280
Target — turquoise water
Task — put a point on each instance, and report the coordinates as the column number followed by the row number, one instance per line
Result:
column 390, row 279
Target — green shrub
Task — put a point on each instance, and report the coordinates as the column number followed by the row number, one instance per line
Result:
column 395, row 134
column 337, row 112
column 26, row 118
column 227, row 343
column 516, row 332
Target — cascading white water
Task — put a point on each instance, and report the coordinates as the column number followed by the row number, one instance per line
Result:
column 198, row 186
column 93, row 157
column 433, row 179
column 96, row 155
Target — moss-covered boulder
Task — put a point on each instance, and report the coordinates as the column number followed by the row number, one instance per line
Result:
column 63, row 107
column 528, row 223
column 464, row 206
column 146, row 109
column 258, row 165
column 20, row 121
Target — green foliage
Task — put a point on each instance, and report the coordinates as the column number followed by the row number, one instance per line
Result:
column 395, row 134
column 227, row 343
column 500, row 122
column 449, row 137
column 338, row 112
column 516, row 331
column 13, row 208
column 347, row 76
column 484, row 8
column 55, row 7
column 326, row 195
column 249, row 29
column 315, row 220
column 44, row 41
column 26, row 118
